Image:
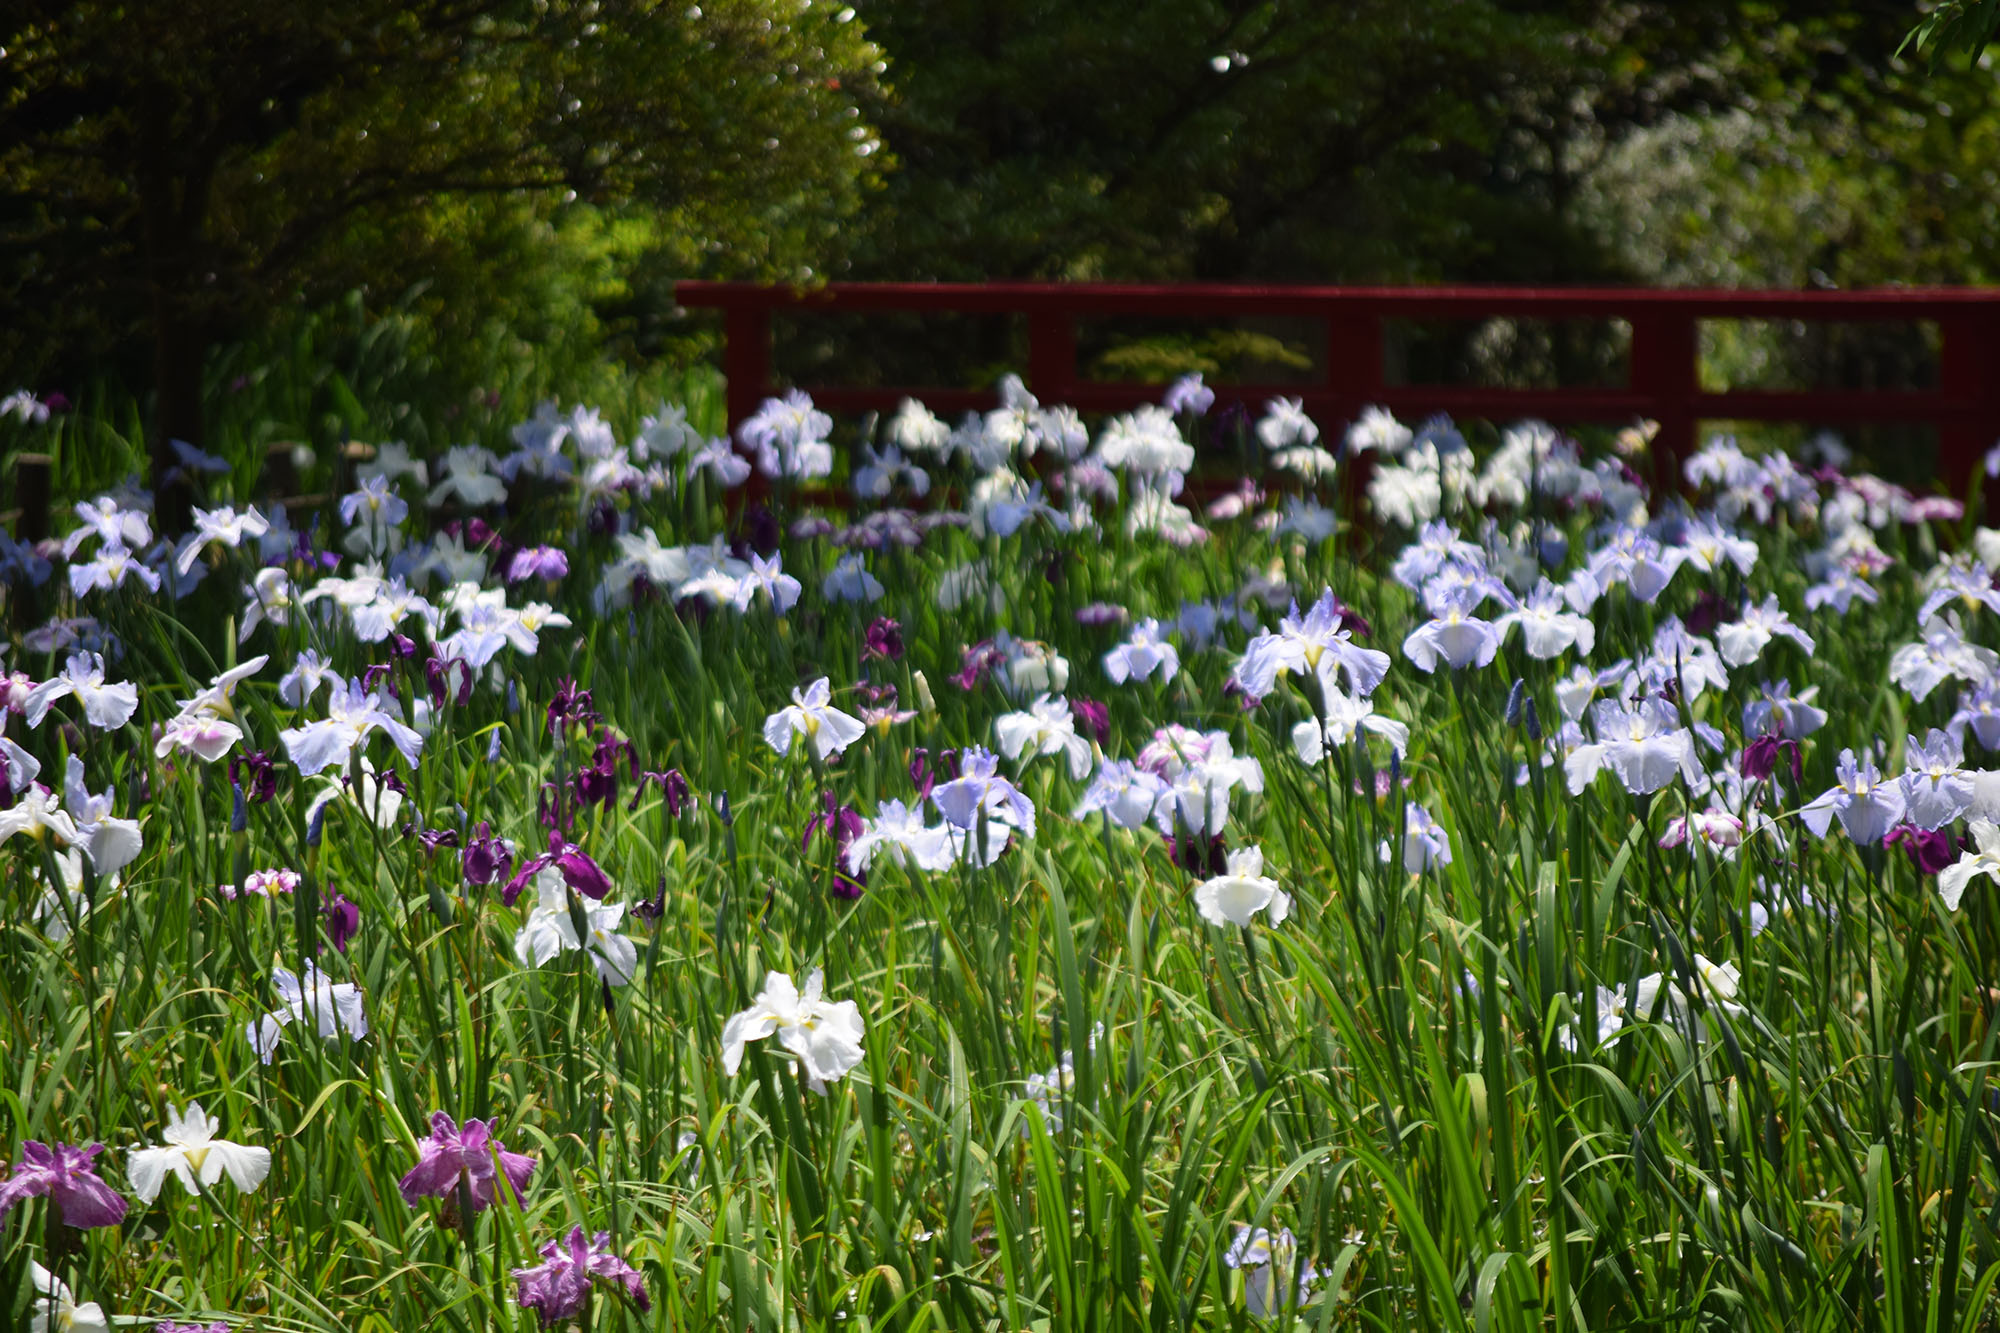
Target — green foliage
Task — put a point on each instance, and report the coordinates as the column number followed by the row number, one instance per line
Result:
column 1409, row 1073
column 1955, row 25
column 1222, row 351
column 173, row 175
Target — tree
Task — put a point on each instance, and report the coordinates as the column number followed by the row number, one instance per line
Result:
column 1365, row 141
column 172, row 172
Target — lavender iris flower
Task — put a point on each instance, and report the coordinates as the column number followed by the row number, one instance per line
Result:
column 1782, row 713
column 1978, row 709
column 1437, row 545
column 1317, row 642
column 1866, row 805
column 1146, row 651
column 980, row 787
column 1126, row 793
column 1936, row 787
column 558, row 1288
column 1641, row 742
column 1454, row 635
column 538, row 562
column 1973, row 587
column 472, row 1155
column 68, row 1174
column 1188, row 394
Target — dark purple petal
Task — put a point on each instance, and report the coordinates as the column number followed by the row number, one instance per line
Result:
column 343, row 919
column 583, row 874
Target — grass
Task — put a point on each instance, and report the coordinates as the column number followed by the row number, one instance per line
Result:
column 1385, row 1074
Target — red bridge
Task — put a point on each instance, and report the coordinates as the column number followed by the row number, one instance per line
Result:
column 1661, row 382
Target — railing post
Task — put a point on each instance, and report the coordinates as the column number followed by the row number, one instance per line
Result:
column 1965, row 383
column 1663, row 367
column 1051, row 354
column 1354, row 376
column 746, row 360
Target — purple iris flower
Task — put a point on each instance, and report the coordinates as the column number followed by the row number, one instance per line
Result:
column 578, row 871
column 257, row 774
column 885, row 640
column 922, row 775
column 1760, row 757
column 1930, row 849
column 487, row 859
column 537, row 562
column 1202, row 857
column 673, row 790
column 979, row 659
column 450, row 680
column 558, row 1288
column 1709, row 610
column 436, row 839
column 343, row 919
column 1092, row 717
column 472, row 1155
column 68, row 1174
column 842, row 823
column 596, row 783
column 570, row 704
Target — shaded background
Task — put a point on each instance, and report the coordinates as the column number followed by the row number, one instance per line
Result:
column 236, row 222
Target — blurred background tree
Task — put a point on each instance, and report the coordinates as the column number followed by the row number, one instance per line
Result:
column 177, row 175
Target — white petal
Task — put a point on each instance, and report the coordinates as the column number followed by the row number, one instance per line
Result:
column 147, row 1169
column 246, row 1166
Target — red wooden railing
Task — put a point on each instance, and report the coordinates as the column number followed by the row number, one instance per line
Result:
column 1661, row 383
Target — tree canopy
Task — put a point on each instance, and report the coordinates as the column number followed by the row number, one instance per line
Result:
column 1371, row 140
column 175, row 171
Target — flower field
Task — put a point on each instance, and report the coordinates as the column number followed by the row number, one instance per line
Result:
column 1179, row 871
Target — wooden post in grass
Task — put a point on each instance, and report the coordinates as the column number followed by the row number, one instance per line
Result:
column 33, row 478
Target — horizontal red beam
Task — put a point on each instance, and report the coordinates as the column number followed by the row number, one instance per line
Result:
column 1586, row 404
column 1393, row 302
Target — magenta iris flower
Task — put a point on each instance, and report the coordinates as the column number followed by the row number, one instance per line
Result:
column 558, row 1288
column 1760, row 757
column 1930, row 849
column 68, row 1174
column 1092, row 717
column 885, row 640
column 471, row 1155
